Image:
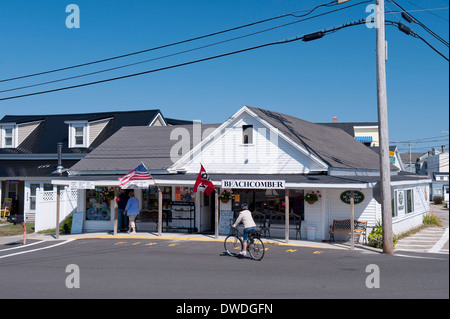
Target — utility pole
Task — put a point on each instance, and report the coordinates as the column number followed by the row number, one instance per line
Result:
column 410, row 162
column 385, row 171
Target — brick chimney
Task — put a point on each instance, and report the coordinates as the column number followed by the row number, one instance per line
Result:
column 335, row 119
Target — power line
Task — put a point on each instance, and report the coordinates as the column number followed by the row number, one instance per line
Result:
column 421, row 142
column 429, row 10
column 332, row 3
column 443, row 8
column 427, row 43
column 425, row 138
column 186, row 51
column 307, row 37
column 410, row 17
column 332, row 30
column 425, row 148
column 407, row 30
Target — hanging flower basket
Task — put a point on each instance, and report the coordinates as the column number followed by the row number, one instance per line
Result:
column 312, row 197
column 225, row 197
column 108, row 193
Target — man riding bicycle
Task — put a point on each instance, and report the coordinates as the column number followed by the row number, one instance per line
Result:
column 246, row 217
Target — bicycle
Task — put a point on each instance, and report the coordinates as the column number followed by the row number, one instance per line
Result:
column 233, row 244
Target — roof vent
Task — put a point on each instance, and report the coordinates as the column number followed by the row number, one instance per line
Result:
column 59, row 168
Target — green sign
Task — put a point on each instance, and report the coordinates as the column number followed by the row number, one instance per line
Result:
column 357, row 195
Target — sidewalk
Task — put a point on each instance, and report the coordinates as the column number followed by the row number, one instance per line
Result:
column 431, row 239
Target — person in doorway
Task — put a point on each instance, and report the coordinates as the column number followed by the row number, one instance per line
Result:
column 245, row 216
column 122, row 203
column 132, row 210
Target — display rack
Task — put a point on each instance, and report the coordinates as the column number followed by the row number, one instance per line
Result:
column 181, row 216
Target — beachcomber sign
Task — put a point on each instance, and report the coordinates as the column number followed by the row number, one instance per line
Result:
column 251, row 184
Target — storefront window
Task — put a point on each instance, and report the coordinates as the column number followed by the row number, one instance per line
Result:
column 270, row 201
column 409, row 201
column 175, row 215
column 297, row 203
column 98, row 202
column 150, row 197
column 184, row 194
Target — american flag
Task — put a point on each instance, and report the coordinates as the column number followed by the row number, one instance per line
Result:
column 140, row 173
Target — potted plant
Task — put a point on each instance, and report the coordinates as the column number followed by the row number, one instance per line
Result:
column 225, row 196
column 312, row 197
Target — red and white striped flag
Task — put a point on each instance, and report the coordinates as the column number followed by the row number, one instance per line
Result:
column 140, row 173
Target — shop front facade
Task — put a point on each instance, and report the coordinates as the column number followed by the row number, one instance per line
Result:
column 293, row 174
column 280, row 213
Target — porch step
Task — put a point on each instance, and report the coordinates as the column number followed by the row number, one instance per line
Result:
column 30, row 218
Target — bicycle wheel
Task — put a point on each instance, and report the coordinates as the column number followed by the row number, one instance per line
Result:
column 233, row 245
column 256, row 248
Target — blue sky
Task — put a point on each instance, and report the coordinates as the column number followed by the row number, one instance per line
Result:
column 332, row 76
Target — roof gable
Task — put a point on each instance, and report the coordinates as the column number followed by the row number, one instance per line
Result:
column 270, row 151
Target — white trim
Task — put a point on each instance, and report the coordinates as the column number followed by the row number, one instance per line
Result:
column 364, row 127
column 14, row 133
column 218, row 183
column 414, row 182
column 72, row 129
column 158, row 116
column 88, row 173
column 333, row 171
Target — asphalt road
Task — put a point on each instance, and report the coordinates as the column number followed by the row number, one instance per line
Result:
column 171, row 269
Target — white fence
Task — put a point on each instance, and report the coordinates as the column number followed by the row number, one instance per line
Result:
column 46, row 207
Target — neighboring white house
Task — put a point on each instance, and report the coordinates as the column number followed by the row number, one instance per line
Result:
column 438, row 161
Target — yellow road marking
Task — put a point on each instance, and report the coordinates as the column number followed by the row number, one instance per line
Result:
column 136, row 243
column 150, row 244
column 291, row 250
column 120, row 242
column 317, row 252
column 173, row 245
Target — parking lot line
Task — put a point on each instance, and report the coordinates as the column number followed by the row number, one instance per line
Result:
column 37, row 249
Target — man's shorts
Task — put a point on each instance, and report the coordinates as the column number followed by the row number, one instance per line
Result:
column 246, row 231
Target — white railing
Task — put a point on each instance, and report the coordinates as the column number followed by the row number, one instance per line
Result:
column 46, row 207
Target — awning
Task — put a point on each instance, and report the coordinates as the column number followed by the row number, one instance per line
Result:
column 364, row 139
column 293, row 181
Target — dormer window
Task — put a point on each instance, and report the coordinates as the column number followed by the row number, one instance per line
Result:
column 8, row 135
column 78, row 134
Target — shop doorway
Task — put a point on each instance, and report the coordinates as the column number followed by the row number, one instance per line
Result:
column 207, row 215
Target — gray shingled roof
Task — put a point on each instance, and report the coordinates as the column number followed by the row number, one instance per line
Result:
column 130, row 145
column 332, row 145
column 151, row 145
